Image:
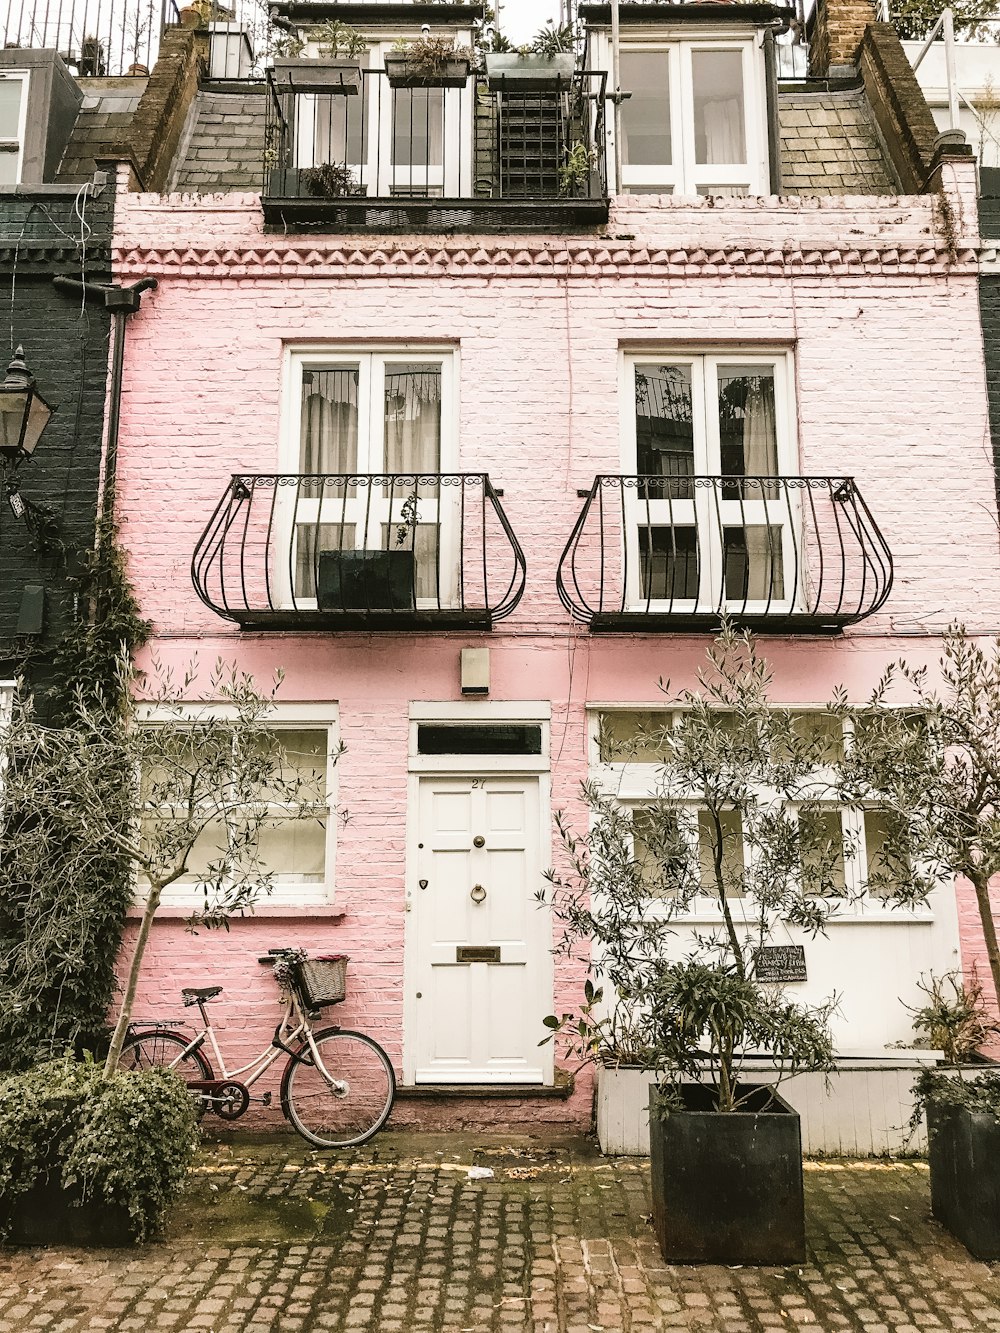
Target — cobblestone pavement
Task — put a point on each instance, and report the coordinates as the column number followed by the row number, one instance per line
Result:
column 397, row 1238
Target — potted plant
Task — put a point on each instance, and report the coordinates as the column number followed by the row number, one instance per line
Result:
column 963, row 1138
column 91, row 1159
column 329, row 180
column 547, row 62
column 733, row 772
column 934, row 757
column 428, row 62
column 577, row 174
column 337, row 70
column 372, row 580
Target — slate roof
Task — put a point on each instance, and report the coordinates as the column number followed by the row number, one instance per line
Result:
column 108, row 105
column 222, row 147
column 829, row 145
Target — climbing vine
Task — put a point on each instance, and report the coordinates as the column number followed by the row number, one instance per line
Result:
column 60, row 930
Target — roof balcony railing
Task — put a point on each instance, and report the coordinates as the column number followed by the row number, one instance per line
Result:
column 476, row 154
column 360, row 551
column 96, row 38
column 675, row 553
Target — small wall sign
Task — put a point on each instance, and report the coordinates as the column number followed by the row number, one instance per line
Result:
column 781, row 962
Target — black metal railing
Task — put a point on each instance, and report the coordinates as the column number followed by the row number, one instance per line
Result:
column 96, row 38
column 791, row 553
column 111, row 38
column 437, row 156
column 396, row 550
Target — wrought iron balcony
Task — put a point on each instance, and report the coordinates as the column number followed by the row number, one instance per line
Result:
column 360, row 551
column 789, row 554
column 484, row 154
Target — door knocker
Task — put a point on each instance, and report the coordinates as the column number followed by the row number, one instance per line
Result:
column 478, row 893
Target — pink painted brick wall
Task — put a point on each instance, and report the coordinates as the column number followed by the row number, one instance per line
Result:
column 884, row 328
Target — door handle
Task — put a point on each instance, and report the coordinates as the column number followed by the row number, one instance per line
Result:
column 478, row 894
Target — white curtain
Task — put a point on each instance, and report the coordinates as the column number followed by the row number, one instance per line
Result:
column 723, row 121
column 413, row 445
column 765, row 574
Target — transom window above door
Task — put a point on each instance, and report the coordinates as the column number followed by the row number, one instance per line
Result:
column 710, row 436
column 695, row 122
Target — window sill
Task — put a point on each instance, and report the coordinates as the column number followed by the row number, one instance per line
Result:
column 267, row 912
column 899, row 917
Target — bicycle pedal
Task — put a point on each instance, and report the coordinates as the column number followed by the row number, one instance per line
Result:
column 265, row 1100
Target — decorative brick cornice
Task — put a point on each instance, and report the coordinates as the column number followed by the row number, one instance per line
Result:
column 51, row 256
column 609, row 259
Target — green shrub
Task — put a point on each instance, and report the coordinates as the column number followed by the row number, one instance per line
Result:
column 126, row 1140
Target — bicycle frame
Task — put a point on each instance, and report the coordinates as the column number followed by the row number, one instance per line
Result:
column 285, row 1034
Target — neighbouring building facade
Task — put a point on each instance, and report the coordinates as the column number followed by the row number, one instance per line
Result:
column 473, row 438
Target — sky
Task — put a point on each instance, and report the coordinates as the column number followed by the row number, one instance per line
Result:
column 521, row 19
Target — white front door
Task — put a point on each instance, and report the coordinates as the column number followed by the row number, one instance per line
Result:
column 480, row 969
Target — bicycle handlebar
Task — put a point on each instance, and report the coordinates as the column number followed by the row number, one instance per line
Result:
column 275, row 955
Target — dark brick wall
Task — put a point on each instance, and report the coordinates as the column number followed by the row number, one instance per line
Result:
column 66, row 348
column 989, row 308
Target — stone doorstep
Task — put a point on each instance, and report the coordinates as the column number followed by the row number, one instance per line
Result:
column 561, row 1090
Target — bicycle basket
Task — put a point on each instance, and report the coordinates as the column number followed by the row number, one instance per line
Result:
column 323, row 980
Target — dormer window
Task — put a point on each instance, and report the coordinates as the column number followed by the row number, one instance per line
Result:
column 696, row 122
column 13, row 112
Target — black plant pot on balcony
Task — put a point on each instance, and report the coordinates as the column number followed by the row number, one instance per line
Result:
column 365, row 581
column 727, row 1186
column 964, row 1157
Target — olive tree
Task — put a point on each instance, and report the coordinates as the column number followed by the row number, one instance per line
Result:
column 934, row 758
column 741, row 815
column 197, row 781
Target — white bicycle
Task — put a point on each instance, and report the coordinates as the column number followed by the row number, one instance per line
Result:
column 338, row 1086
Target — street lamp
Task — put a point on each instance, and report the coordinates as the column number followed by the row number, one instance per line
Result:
column 24, row 413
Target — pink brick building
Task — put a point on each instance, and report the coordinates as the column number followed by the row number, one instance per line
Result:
column 431, row 447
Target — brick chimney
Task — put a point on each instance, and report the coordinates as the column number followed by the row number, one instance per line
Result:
column 837, row 33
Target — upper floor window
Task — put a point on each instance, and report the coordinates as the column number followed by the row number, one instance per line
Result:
column 705, row 433
column 695, row 122
column 13, row 113
column 387, row 141
column 378, row 428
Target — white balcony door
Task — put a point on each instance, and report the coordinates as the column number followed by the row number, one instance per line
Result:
column 705, row 530
column 368, row 441
column 479, row 938
column 695, row 122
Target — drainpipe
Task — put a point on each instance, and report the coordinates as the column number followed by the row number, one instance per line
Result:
column 616, row 82
column 948, row 32
column 122, row 302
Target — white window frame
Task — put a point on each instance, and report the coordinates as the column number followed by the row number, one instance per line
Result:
column 24, row 78
column 445, row 511
column 189, row 895
column 637, row 783
column 700, row 512
column 377, row 175
column 684, row 175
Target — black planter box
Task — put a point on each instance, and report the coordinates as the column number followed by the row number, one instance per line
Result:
column 404, row 73
column 727, row 1186
column 365, row 581
column 48, row 1215
column 964, row 1154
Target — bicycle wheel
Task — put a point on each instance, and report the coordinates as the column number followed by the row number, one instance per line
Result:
column 160, row 1050
column 353, row 1103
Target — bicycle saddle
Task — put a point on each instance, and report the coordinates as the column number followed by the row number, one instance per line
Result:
column 190, row 995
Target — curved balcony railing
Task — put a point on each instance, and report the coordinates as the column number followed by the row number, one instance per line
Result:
column 795, row 554
column 360, row 550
